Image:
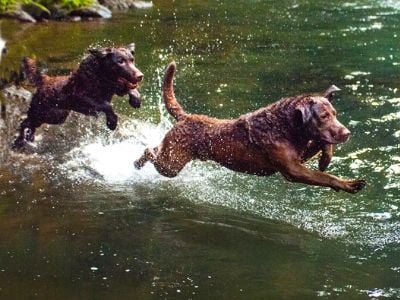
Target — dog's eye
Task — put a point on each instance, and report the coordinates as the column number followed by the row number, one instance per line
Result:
column 324, row 116
column 120, row 60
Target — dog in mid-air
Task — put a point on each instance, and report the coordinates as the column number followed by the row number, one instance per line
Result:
column 277, row 138
column 87, row 90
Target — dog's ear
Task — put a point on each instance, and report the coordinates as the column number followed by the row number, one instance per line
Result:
column 99, row 52
column 302, row 115
column 131, row 48
column 330, row 92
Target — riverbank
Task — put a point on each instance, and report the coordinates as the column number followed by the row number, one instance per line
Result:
column 30, row 11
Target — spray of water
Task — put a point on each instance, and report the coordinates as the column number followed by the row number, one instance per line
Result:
column 100, row 157
column 2, row 47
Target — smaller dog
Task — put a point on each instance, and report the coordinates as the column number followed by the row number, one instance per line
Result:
column 276, row 138
column 87, row 90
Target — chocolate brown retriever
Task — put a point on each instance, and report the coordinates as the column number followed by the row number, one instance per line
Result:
column 87, row 90
column 276, row 138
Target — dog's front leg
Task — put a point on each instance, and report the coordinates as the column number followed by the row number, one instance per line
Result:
column 91, row 107
column 326, row 157
column 290, row 167
column 111, row 117
column 313, row 148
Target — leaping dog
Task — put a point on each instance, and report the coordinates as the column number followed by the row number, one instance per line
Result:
column 87, row 90
column 277, row 138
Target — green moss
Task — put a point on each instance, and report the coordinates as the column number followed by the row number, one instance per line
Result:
column 9, row 5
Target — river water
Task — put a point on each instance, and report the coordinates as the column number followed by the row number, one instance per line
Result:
column 78, row 222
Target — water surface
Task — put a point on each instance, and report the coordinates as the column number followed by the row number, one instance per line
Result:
column 78, row 222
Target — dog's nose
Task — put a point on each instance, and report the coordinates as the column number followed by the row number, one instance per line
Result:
column 140, row 77
column 344, row 134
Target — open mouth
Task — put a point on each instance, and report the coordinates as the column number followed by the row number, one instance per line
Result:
column 127, row 87
column 126, row 84
column 335, row 140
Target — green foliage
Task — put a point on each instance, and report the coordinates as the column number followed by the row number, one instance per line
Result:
column 71, row 4
column 9, row 5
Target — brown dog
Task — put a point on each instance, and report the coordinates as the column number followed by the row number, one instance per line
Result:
column 276, row 138
column 88, row 90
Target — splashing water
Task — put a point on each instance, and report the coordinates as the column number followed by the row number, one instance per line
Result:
column 2, row 47
column 112, row 162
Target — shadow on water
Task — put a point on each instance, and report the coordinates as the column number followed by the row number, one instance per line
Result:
column 78, row 219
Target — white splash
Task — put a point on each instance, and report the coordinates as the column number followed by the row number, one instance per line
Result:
column 2, row 47
column 112, row 162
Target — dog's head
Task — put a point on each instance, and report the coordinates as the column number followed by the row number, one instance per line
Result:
column 318, row 117
column 117, row 64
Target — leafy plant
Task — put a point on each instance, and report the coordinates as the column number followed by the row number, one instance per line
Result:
column 71, row 4
column 9, row 5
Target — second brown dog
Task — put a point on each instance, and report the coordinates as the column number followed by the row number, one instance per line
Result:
column 276, row 138
column 87, row 90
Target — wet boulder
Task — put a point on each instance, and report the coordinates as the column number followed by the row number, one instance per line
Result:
column 38, row 12
column 18, row 14
column 95, row 10
column 126, row 4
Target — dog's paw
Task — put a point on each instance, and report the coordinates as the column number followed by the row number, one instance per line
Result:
column 354, row 186
column 22, row 146
column 138, row 164
column 112, row 121
column 18, row 144
column 29, row 135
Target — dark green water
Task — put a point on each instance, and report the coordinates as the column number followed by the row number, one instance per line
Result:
column 78, row 222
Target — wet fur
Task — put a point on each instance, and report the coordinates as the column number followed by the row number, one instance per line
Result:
column 87, row 90
column 276, row 138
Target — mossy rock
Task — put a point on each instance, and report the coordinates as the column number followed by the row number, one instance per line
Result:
column 95, row 10
column 36, row 11
column 18, row 14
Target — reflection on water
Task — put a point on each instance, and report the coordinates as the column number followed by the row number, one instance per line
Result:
column 78, row 219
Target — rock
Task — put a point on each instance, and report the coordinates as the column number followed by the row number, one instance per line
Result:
column 38, row 12
column 13, row 91
column 76, row 19
column 58, row 12
column 142, row 4
column 95, row 10
column 125, row 4
column 19, row 14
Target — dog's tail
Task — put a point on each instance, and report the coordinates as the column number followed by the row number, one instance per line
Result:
column 172, row 105
column 31, row 71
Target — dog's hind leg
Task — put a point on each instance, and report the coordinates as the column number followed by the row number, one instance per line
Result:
column 148, row 155
column 168, row 161
column 26, row 133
